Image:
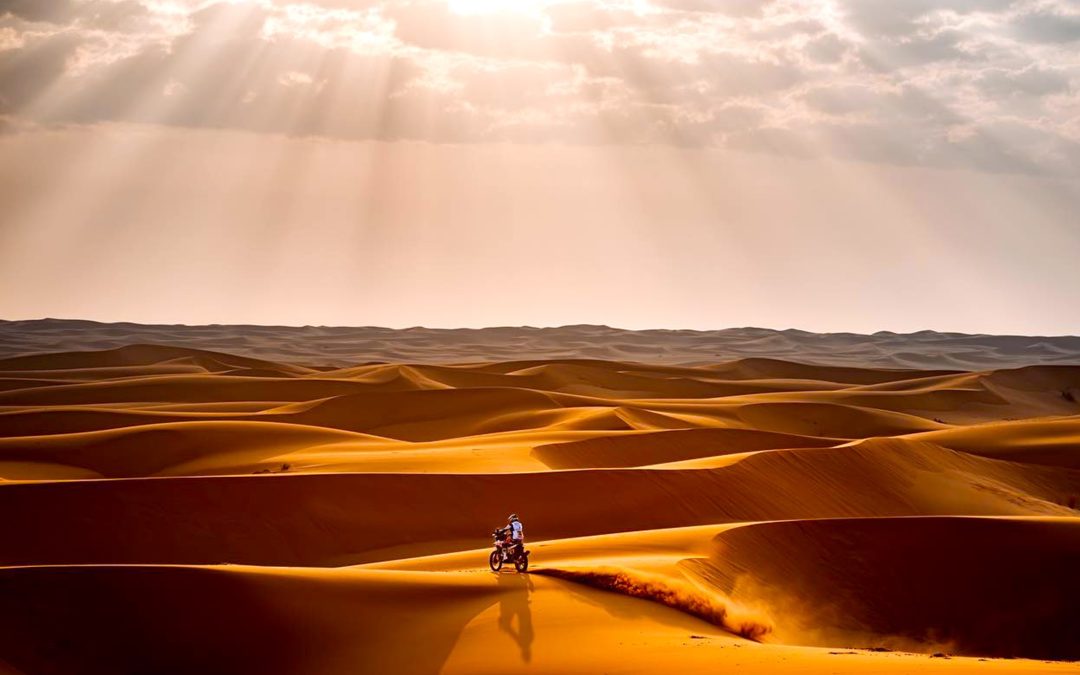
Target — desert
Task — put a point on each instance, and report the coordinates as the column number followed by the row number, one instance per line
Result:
column 173, row 509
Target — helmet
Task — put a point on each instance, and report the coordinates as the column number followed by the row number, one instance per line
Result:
column 512, row 517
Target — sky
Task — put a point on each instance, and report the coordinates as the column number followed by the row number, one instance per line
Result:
column 835, row 165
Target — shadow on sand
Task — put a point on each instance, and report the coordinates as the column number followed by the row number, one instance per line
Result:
column 514, row 602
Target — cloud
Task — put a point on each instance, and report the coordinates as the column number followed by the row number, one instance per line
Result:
column 28, row 71
column 504, row 35
column 828, row 48
column 740, row 8
column 1048, row 26
column 986, row 84
column 1031, row 81
column 585, row 16
column 889, row 18
column 38, row 10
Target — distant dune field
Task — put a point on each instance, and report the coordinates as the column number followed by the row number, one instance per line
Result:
column 170, row 508
column 343, row 346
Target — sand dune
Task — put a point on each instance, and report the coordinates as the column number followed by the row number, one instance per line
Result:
column 178, row 509
column 627, row 450
column 121, row 359
column 179, row 619
column 139, row 619
column 1051, row 441
column 838, row 581
column 332, row 519
column 156, row 449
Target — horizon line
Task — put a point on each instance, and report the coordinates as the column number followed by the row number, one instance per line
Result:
column 531, row 327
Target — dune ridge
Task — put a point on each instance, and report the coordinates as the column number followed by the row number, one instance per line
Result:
column 324, row 517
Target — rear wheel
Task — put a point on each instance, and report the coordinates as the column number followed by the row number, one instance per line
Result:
column 495, row 561
column 521, row 563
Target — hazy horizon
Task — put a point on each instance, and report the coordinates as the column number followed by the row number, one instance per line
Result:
column 712, row 329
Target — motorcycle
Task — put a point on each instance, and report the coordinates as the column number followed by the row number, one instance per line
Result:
column 506, row 551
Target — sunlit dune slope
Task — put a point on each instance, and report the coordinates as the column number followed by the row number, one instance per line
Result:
column 758, row 515
column 1054, row 441
column 625, row 450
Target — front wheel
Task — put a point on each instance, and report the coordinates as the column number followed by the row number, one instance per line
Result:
column 521, row 563
column 495, row 561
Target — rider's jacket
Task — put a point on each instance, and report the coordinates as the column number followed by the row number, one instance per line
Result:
column 516, row 531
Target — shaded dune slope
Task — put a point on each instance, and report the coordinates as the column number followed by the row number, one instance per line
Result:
column 122, row 360
column 227, row 620
column 947, row 583
column 150, row 449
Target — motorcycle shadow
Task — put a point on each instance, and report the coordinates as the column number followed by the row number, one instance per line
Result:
column 514, row 607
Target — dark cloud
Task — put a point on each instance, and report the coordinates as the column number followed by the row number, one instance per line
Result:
column 52, row 11
column 893, row 18
column 1031, row 81
column 27, row 73
column 337, row 94
column 906, row 105
column 827, row 48
column 887, row 55
column 122, row 16
column 1047, row 26
column 713, row 76
column 107, row 15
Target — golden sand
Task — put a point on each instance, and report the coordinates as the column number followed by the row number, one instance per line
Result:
column 169, row 509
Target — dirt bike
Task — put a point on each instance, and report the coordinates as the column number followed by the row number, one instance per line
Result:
column 508, row 552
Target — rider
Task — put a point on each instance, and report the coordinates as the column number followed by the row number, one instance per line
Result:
column 517, row 532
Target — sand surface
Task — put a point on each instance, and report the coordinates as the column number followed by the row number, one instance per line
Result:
column 168, row 509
